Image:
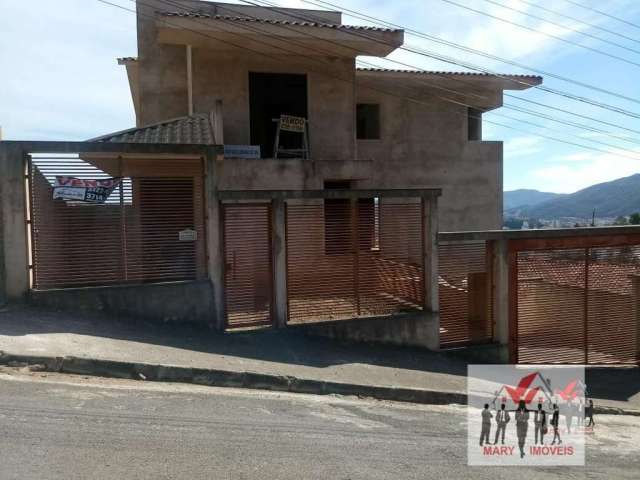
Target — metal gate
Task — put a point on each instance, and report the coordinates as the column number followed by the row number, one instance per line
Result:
column 348, row 259
column 248, row 273
column 577, row 305
column 149, row 229
column 465, row 292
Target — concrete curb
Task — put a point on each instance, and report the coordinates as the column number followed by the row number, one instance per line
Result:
column 225, row 378
column 253, row 380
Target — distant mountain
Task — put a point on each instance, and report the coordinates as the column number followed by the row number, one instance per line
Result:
column 526, row 198
column 610, row 199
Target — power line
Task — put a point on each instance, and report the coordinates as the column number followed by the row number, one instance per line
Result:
column 442, row 98
column 569, row 112
column 327, row 53
column 467, row 65
column 586, row 7
column 467, row 49
column 465, row 94
column 561, row 93
column 435, row 86
column 590, row 25
column 573, row 30
column 573, row 124
column 306, row 18
column 106, row 2
column 555, row 139
column 534, row 124
column 574, row 19
column 550, row 35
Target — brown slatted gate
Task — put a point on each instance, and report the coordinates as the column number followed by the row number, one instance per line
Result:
column 150, row 229
column 248, row 265
column 578, row 305
column 551, row 306
column 465, row 293
column 347, row 260
column 612, row 310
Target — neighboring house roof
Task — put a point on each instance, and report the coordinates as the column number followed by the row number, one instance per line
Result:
column 440, row 72
column 228, row 18
column 604, row 276
column 196, row 129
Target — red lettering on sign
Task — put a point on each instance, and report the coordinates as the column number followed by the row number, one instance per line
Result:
column 496, row 450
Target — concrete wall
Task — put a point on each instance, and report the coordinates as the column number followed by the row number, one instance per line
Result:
column 330, row 96
column 14, row 269
column 417, row 330
column 225, row 76
column 426, row 145
column 179, row 302
column 423, row 138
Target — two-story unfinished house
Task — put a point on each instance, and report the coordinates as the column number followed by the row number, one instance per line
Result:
column 241, row 67
column 269, row 182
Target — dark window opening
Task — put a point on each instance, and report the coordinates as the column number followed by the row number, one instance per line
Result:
column 272, row 95
column 474, row 123
column 338, row 227
column 368, row 121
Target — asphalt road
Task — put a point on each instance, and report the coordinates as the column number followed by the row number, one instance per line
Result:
column 66, row 427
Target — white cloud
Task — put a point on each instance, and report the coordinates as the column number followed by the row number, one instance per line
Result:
column 574, row 157
column 63, row 82
column 583, row 170
column 60, row 78
column 522, row 146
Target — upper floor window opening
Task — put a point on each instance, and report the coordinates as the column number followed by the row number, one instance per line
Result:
column 474, row 124
column 368, row 121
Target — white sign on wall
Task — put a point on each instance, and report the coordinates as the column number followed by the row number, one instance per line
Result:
column 188, row 235
column 251, row 152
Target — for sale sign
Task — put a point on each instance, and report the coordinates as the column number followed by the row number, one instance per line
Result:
column 290, row 123
column 84, row 190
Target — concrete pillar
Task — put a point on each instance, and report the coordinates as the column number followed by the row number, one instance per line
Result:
column 189, row 79
column 430, row 262
column 3, row 273
column 215, row 246
column 14, row 266
column 279, row 252
column 501, row 296
column 430, row 252
column 636, row 296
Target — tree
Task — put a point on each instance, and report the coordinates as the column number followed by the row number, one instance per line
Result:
column 634, row 219
column 535, row 223
column 620, row 220
column 513, row 223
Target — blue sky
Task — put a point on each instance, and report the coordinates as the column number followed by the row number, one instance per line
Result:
column 60, row 79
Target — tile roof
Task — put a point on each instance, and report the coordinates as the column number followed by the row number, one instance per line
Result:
column 442, row 72
column 229, row 18
column 605, row 276
column 192, row 130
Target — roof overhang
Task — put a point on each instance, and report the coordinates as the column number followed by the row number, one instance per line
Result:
column 133, row 74
column 233, row 34
column 473, row 80
column 482, row 91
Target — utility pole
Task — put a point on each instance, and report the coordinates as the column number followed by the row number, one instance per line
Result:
column 593, row 218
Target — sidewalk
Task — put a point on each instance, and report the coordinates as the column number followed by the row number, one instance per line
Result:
column 276, row 360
